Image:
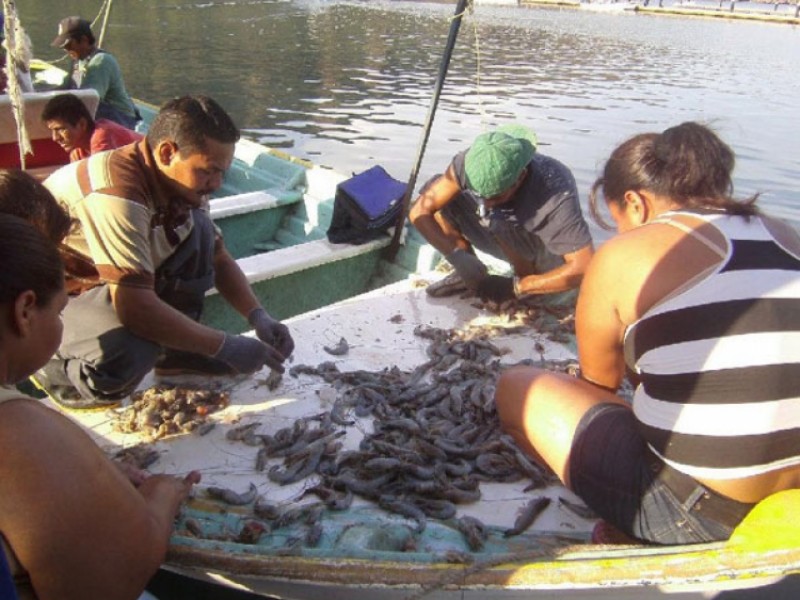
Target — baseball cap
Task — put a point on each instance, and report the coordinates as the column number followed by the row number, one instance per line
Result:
column 495, row 160
column 71, row 27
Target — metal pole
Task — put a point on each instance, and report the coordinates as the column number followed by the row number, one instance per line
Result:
column 455, row 24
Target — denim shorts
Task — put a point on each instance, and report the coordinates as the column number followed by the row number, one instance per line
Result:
column 617, row 475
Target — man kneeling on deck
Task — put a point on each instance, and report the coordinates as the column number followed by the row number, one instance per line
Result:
column 503, row 198
column 141, row 259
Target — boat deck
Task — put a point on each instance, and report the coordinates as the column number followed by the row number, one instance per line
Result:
column 379, row 330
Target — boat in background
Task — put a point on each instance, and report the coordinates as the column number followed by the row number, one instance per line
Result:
column 274, row 211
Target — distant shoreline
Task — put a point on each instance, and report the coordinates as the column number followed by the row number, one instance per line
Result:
column 721, row 12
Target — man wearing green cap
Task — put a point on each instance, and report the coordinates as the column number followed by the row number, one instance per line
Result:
column 503, row 198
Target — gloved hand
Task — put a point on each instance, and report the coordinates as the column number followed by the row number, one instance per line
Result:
column 496, row 288
column 247, row 355
column 271, row 331
column 468, row 266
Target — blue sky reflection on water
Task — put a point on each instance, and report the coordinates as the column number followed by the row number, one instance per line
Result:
column 348, row 84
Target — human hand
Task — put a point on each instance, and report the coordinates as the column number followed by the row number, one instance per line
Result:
column 168, row 492
column 496, row 288
column 271, row 331
column 468, row 266
column 132, row 473
column 247, row 355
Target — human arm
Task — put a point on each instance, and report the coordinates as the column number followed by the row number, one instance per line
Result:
column 498, row 288
column 141, row 311
column 78, row 527
column 599, row 327
column 564, row 277
column 426, row 217
column 433, row 199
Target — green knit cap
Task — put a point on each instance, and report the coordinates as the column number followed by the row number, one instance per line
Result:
column 495, row 159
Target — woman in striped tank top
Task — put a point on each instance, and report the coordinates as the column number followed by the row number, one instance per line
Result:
column 697, row 302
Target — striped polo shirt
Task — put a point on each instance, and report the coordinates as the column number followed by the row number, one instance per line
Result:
column 129, row 222
column 719, row 363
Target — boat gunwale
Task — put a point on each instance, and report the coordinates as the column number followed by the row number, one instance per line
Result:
column 602, row 566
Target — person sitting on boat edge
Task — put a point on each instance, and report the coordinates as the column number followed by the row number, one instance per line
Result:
column 97, row 69
column 504, row 198
column 693, row 283
column 71, row 524
column 73, row 128
column 143, row 255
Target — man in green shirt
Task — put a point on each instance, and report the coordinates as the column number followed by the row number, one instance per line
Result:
column 97, row 69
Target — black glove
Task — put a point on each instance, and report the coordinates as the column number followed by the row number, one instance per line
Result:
column 495, row 288
column 271, row 331
column 247, row 355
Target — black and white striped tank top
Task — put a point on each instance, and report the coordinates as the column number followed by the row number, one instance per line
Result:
column 719, row 362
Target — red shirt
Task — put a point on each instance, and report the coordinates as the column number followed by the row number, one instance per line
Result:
column 107, row 135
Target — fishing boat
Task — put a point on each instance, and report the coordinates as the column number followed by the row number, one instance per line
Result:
column 257, row 526
column 250, row 528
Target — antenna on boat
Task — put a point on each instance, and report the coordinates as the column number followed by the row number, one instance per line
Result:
column 455, row 24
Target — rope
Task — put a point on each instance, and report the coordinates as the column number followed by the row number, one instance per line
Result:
column 478, row 86
column 18, row 52
column 105, row 10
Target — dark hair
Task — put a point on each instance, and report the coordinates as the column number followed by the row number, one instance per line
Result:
column 67, row 107
column 30, row 262
column 688, row 163
column 87, row 33
column 23, row 196
column 188, row 121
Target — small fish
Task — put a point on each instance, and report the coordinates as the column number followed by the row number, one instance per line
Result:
column 339, row 349
column 252, row 531
column 578, row 509
column 474, row 531
column 240, row 433
column 231, row 497
column 527, row 515
column 313, row 535
column 406, row 509
column 265, row 510
column 205, row 428
column 193, row 527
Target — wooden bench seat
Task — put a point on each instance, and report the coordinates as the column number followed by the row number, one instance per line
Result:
column 294, row 259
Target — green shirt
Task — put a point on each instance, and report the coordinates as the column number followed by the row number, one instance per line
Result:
column 100, row 71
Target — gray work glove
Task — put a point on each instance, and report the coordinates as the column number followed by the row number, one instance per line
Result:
column 247, row 355
column 468, row 267
column 271, row 331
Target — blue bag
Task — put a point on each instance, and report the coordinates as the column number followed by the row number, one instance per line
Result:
column 365, row 206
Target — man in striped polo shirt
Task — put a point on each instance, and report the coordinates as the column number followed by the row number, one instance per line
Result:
column 141, row 259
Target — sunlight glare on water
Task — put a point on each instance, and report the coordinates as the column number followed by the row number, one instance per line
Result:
column 348, row 84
